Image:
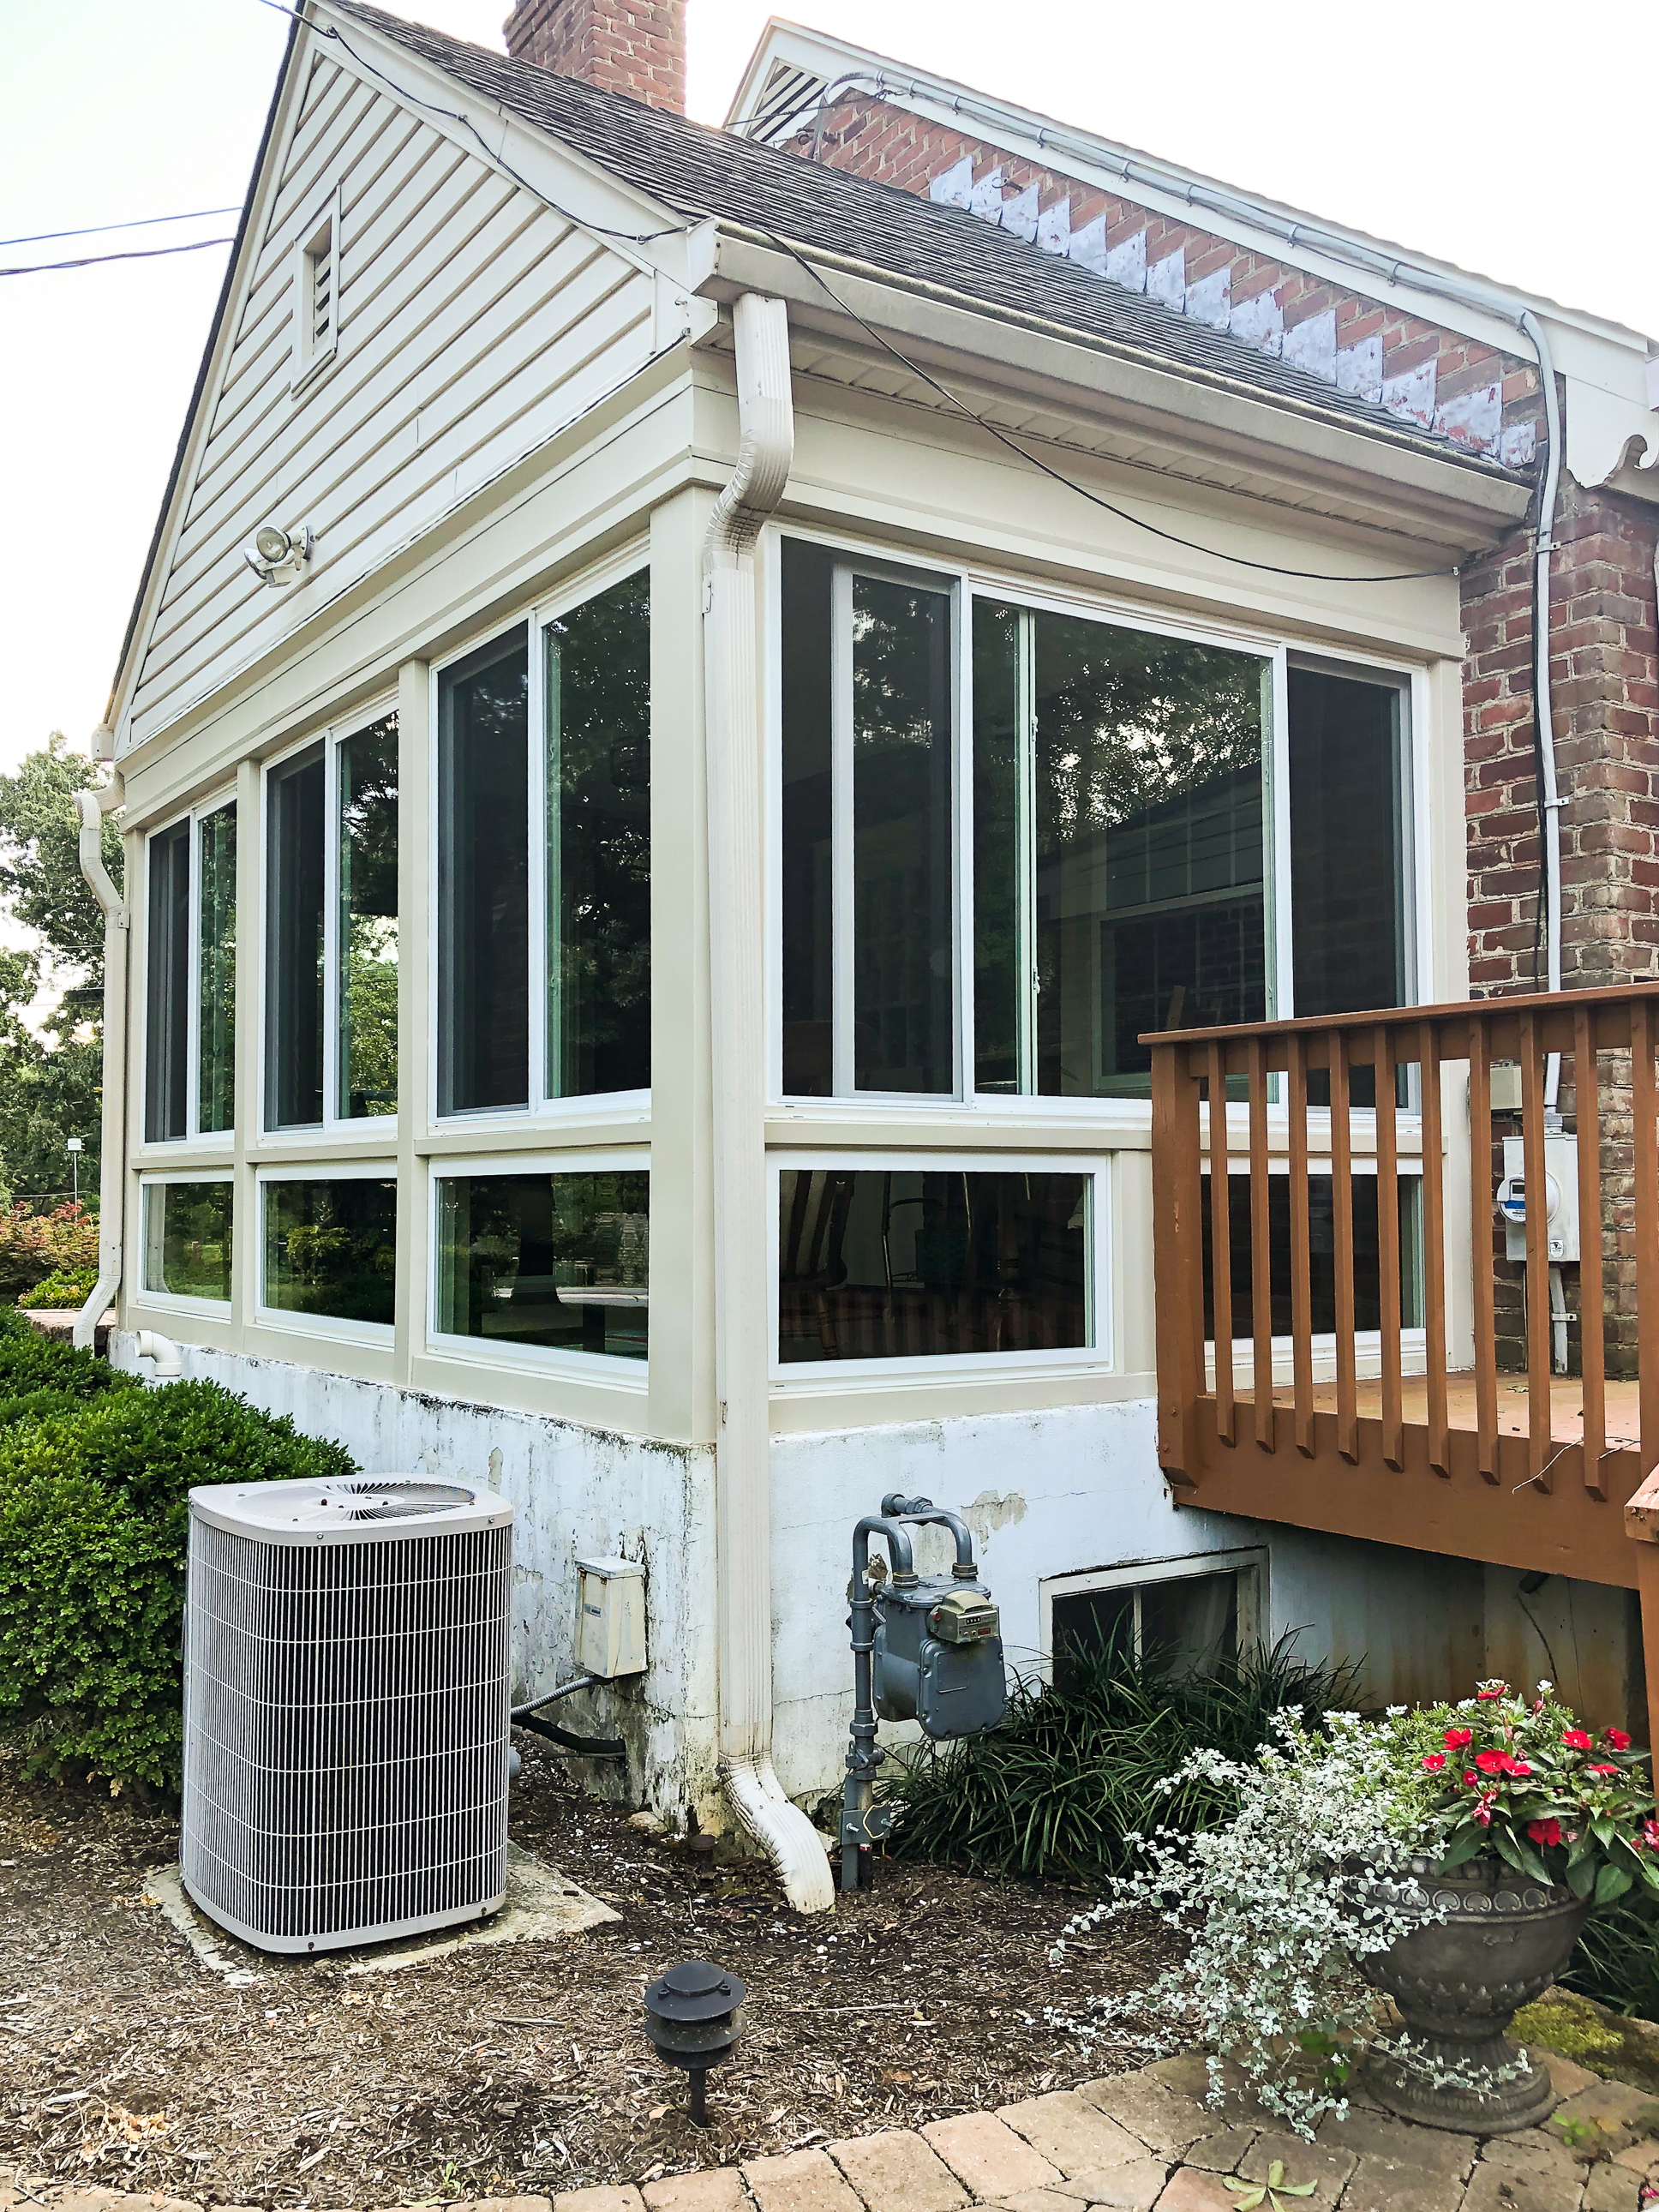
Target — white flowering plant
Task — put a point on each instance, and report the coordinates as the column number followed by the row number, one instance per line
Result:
column 1280, row 1908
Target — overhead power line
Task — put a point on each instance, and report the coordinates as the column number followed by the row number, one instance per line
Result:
column 139, row 223
column 89, row 260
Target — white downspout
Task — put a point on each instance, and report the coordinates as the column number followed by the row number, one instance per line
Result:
column 111, row 1177
column 1550, row 798
column 735, row 942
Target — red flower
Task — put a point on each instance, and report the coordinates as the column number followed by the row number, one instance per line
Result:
column 1647, row 1839
column 1434, row 1761
column 1494, row 1690
column 1492, row 1762
column 1617, row 1738
column 1577, row 1739
column 1471, row 1779
column 1456, row 1738
column 1483, row 1810
column 1601, row 1770
column 1545, row 1831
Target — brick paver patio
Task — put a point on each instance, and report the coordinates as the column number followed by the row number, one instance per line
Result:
column 1130, row 2142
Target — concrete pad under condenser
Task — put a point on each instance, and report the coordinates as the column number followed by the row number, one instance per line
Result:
column 541, row 1903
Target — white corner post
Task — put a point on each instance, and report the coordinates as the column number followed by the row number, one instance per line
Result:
column 111, row 1174
column 737, row 965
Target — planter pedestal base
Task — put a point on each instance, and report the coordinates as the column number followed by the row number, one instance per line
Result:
column 1521, row 2102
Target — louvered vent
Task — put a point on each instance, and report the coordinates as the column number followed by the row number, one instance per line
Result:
column 322, row 290
column 346, row 1677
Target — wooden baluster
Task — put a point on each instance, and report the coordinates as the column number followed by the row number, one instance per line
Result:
column 1388, row 1247
column 1175, row 1101
column 1642, row 1105
column 1347, row 1396
column 1261, row 1286
column 1587, row 1087
column 1480, row 1234
column 1301, row 1284
column 1221, row 1253
column 1539, row 1424
column 1434, row 1251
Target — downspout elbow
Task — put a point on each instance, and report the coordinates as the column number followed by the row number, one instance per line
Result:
column 112, row 1164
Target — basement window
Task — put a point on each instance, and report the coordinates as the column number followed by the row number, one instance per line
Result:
column 317, row 295
column 1196, row 1615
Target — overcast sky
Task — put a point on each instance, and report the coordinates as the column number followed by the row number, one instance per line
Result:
column 1514, row 139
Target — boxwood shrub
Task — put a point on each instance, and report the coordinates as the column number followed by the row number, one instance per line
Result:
column 93, row 1521
column 39, row 1375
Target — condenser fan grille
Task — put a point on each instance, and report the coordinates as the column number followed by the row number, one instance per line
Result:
column 346, row 1729
column 396, row 1501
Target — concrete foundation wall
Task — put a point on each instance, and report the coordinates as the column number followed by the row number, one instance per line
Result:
column 1065, row 1492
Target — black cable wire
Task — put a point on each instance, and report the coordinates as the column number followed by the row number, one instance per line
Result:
column 1239, row 560
column 91, row 260
column 140, row 223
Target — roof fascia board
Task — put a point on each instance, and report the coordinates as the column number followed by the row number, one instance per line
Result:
column 1023, row 132
column 1468, row 504
column 232, row 292
column 587, row 194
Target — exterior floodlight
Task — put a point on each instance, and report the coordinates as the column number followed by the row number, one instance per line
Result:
column 278, row 556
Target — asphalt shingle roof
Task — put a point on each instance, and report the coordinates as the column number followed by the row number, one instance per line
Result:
column 698, row 172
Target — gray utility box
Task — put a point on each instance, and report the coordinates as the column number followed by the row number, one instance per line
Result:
column 937, row 1657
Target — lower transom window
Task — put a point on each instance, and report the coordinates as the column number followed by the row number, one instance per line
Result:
column 554, row 1263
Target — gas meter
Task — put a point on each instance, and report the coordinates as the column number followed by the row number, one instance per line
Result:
column 926, row 1648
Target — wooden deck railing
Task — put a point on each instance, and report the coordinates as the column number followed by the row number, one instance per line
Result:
column 1547, row 1493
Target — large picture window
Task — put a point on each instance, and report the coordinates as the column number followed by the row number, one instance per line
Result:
column 330, row 1248
column 1130, row 831
column 553, row 1261
column 190, row 1028
column 187, row 1243
column 331, row 929
column 545, row 860
column 918, row 1262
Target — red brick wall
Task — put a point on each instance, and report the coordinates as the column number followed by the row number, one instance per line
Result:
column 632, row 46
column 1471, row 391
column 1604, row 695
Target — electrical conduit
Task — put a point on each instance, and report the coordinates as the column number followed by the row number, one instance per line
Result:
column 736, row 934
column 93, row 806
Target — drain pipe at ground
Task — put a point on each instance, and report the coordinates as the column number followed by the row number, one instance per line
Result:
column 736, row 940
column 112, row 1176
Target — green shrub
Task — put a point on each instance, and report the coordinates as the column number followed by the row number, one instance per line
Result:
column 69, row 1287
column 1617, row 1961
column 94, row 1522
column 40, row 1374
column 1053, row 1790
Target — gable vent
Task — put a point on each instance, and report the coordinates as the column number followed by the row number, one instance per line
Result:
column 316, row 292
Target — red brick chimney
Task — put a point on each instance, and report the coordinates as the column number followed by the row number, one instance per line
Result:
column 632, row 46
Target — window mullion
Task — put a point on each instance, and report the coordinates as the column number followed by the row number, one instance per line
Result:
column 843, row 933
column 1025, row 860
column 193, row 987
column 333, row 999
column 546, row 865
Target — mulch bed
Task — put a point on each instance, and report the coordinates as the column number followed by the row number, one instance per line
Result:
column 509, row 2068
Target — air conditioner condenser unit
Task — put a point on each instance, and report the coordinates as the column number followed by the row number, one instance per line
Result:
column 346, row 1691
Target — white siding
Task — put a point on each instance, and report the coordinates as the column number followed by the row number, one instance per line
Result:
column 473, row 323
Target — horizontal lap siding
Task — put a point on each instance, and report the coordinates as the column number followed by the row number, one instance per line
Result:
column 474, row 323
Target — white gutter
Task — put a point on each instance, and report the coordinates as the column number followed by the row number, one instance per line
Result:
column 736, row 938
column 111, row 1177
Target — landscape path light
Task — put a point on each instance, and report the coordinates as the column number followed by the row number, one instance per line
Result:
column 693, row 2016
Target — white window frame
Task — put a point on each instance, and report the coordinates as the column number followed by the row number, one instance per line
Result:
column 812, row 1377
column 334, row 1123
column 974, row 582
column 194, row 1134
column 605, row 1368
column 1250, row 1565
column 280, row 1317
column 540, row 1111
column 177, row 1300
column 320, row 235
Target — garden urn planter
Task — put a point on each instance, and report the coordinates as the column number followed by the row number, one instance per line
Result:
column 1460, row 1980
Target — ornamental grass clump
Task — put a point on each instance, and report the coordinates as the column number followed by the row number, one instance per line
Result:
column 1321, row 1868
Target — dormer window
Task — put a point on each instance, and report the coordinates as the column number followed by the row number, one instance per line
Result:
column 317, row 288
